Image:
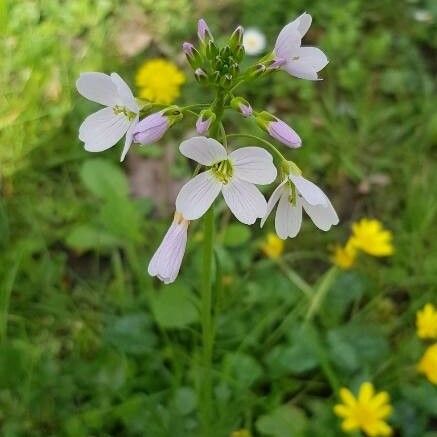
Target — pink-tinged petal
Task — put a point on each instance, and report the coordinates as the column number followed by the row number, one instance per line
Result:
column 309, row 191
column 284, row 133
column 150, row 129
column 306, row 63
column 166, row 262
column 288, row 42
column 253, row 164
column 244, row 200
column 303, row 23
column 274, row 198
column 125, row 93
column 205, row 151
column 313, row 56
column 301, row 71
column 322, row 216
column 197, row 195
column 103, row 129
column 98, row 87
column 129, row 138
column 288, row 217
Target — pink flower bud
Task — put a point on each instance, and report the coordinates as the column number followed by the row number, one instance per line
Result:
column 283, row 133
column 203, row 31
column 151, row 129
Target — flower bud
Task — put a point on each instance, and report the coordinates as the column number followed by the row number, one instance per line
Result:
column 236, row 39
column 211, row 50
column 193, row 56
column 200, row 75
column 203, row 32
column 204, row 121
column 151, row 129
column 278, row 129
column 242, row 105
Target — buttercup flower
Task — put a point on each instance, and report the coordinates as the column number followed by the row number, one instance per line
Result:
column 159, row 81
column 166, row 262
column 254, row 41
column 344, row 256
column 106, row 127
column 426, row 322
column 234, row 175
column 294, row 193
column 367, row 413
column 301, row 62
column 369, row 236
column 273, row 247
column 428, row 364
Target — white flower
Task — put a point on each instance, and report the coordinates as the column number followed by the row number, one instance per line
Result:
column 166, row 262
column 254, row 41
column 106, row 127
column 293, row 194
column 301, row 62
column 234, row 175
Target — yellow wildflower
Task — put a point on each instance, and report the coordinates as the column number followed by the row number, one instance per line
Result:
column 241, row 433
column 273, row 246
column 344, row 256
column 426, row 322
column 367, row 412
column 428, row 364
column 370, row 236
column 159, row 81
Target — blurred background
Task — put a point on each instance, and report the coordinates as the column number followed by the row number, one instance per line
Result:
column 90, row 345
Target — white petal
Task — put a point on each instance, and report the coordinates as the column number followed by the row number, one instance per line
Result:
column 322, row 216
column 129, row 138
column 98, row 87
column 125, row 93
column 288, row 42
column 244, row 200
column 288, row 217
column 274, row 198
column 309, row 61
column 303, row 23
column 314, row 57
column 309, row 191
column 197, row 195
column 205, row 151
column 253, row 164
column 301, row 71
column 103, row 129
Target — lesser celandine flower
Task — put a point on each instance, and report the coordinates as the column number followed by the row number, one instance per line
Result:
column 106, row 127
column 428, row 364
column 294, row 193
column 234, row 175
column 159, row 81
column 345, row 256
column 254, row 41
column 367, row 412
column 370, row 236
column 426, row 322
column 272, row 247
column 166, row 262
column 301, row 62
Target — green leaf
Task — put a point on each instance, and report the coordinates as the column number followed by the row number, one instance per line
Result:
column 285, row 421
column 236, row 235
column 85, row 237
column 174, row 306
column 243, row 369
column 104, row 179
column 184, row 400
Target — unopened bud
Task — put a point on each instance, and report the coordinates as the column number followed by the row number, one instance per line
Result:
column 193, row 56
column 278, row 129
column 203, row 31
column 204, row 121
column 242, row 105
column 200, row 75
column 236, row 39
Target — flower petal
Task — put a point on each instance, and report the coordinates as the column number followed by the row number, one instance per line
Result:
column 197, row 195
column 253, row 164
column 300, row 70
column 103, row 129
column 98, row 87
column 129, row 138
column 125, row 93
column 309, row 191
column 274, row 198
column 288, row 219
column 288, row 42
column 205, row 151
column 244, row 200
column 314, row 57
column 322, row 216
column 306, row 62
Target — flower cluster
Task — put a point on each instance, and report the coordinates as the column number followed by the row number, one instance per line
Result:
column 368, row 236
column 235, row 174
column 426, row 323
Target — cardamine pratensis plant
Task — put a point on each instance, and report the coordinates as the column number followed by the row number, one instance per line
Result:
column 232, row 171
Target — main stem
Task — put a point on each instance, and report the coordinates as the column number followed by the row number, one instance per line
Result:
column 206, row 389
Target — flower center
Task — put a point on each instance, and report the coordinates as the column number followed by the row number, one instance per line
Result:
column 223, row 171
column 124, row 111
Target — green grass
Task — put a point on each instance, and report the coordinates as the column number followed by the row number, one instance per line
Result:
column 90, row 345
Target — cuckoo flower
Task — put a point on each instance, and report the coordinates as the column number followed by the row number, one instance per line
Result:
column 301, row 62
column 278, row 129
column 234, row 175
column 106, row 127
column 166, row 262
column 294, row 193
column 151, row 129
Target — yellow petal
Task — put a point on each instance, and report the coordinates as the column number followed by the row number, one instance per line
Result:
column 366, row 392
column 347, row 397
column 342, row 410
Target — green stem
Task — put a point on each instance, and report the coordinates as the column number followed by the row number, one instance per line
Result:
column 206, row 319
